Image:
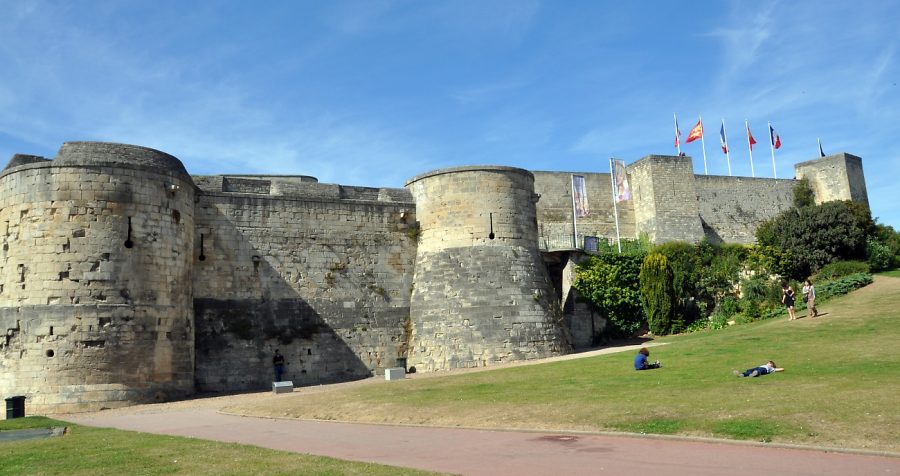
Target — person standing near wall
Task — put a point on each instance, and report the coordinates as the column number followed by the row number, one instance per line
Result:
column 809, row 296
column 278, row 363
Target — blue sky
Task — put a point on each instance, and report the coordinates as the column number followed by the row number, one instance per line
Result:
column 374, row 92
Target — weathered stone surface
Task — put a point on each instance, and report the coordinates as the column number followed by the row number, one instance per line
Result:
column 89, row 321
column 482, row 293
column 124, row 280
column 835, row 177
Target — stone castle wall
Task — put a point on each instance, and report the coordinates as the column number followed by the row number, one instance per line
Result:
column 732, row 207
column 90, row 321
column 482, row 293
column 835, row 177
column 464, row 267
column 323, row 278
column 554, row 210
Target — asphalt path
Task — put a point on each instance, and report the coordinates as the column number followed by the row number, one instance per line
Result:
column 497, row 453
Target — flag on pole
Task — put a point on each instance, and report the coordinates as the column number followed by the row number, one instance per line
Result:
column 580, row 196
column 750, row 142
column 773, row 138
column 622, row 191
column 677, row 135
column 696, row 132
column 722, row 140
column 821, row 152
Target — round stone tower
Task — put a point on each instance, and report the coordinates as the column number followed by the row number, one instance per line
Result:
column 482, row 292
column 95, row 278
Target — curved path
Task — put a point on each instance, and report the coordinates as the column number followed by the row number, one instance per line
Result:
column 497, row 453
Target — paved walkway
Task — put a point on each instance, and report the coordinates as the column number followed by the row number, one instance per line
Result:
column 497, row 453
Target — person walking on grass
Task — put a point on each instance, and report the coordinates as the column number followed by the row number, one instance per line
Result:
column 809, row 297
column 641, row 363
column 764, row 369
column 787, row 298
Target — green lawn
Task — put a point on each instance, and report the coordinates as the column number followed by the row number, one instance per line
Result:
column 893, row 273
column 91, row 451
column 839, row 389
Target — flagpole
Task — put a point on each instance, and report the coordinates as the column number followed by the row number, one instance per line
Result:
column 772, row 146
column 727, row 151
column 703, row 143
column 677, row 134
column 612, row 180
column 750, row 147
column 574, row 217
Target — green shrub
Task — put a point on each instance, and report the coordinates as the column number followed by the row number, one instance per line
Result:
column 819, row 234
column 841, row 268
column 842, row 286
column 610, row 282
column 656, row 292
column 803, row 194
column 878, row 254
column 729, row 307
column 751, row 310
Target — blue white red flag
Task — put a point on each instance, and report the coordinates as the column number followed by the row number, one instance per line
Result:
column 773, row 138
column 722, row 140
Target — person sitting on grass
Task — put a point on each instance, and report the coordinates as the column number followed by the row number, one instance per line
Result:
column 641, row 363
column 765, row 369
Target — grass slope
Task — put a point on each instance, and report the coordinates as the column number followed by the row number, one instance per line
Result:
column 839, row 389
column 92, row 451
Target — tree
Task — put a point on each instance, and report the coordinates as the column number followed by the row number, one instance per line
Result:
column 610, row 282
column 657, row 294
column 819, row 234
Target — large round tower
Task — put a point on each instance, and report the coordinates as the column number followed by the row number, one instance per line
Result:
column 482, row 292
column 95, row 278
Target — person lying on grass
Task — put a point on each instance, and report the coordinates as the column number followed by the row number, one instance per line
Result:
column 640, row 360
column 765, row 369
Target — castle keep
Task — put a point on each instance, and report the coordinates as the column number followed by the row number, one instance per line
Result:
column 124, row 279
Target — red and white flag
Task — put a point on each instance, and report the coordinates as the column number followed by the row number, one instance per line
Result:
column 750, row 138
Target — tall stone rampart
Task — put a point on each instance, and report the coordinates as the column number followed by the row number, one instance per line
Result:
column 664, row 197
column 731, row 208
column 482, row 292
column 95, row 300
column 124, row 280
column 319, row 271
column 835, row 177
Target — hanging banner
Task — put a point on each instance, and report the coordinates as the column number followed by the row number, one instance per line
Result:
column 579, row 197
column 622, row 191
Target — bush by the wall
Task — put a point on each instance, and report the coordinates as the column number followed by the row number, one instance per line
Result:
column 656, row 292
column 842, row 286
column 840, row 269
column 819, row 234
column 878, row 254
column 611, row 283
